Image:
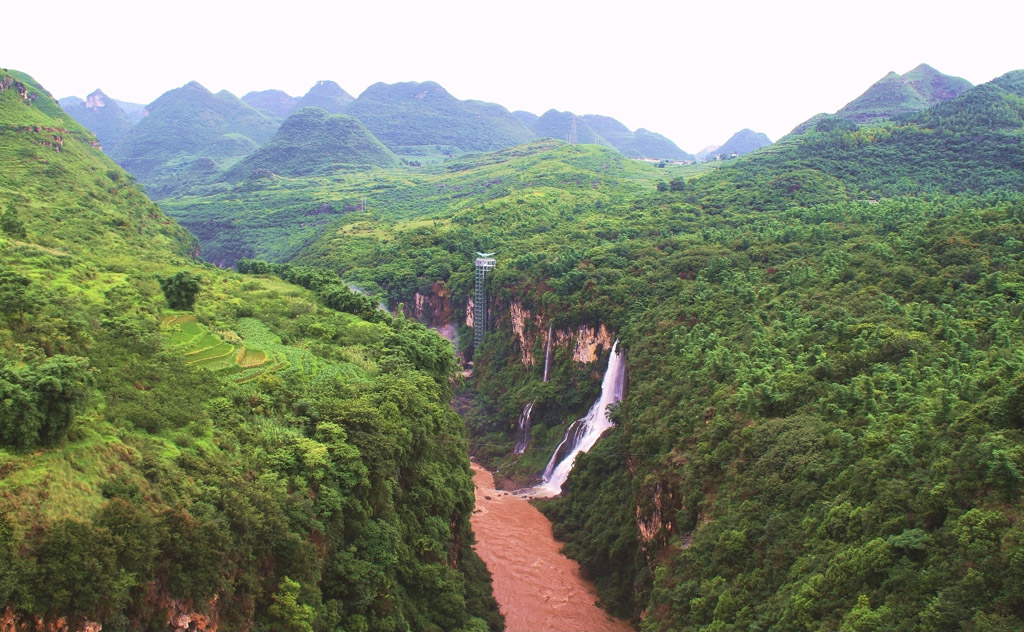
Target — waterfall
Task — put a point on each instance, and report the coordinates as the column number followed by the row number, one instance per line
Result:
column 547, row 353
column 583, row 433
column 523, row 429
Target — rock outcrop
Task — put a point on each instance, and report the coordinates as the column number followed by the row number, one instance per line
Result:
column 434, row 309
column 587, row 342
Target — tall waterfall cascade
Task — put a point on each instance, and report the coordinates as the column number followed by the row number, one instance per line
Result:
column 583, row 433
column 523, row 429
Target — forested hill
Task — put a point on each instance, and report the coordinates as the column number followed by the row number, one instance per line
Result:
column 188, row 135
column 971, row 143
column 183, row 447
column 822, row 427
column 410, row 117
column 895, row 95
column 742, row 142
column 312, row 140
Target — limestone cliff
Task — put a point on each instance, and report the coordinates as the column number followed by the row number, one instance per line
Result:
column 433, row 309
column 586, row 342
column 438, row 308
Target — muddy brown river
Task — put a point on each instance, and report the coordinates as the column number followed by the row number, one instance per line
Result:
column 538, row 588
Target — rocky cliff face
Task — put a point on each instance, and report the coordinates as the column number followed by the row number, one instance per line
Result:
column 181, row 617
column 437, row 309
column 96, row 100
column 434, row 309
column 11, row 622
column 524, row 332
column 586, row 342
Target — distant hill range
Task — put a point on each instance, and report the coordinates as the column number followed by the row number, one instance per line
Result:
column 325, row 95
column 190, row 136
column 895, row 95
column 740, row 143
column 277, row 103
column 313, row 139
column 602, row 130
column 708, row 153
column 560, row 126
column 101, row 115
column 743, row 142
column 410, row 116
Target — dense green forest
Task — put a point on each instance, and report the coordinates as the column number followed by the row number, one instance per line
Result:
column 825, row 357
column 822, row 428
column 183, row 443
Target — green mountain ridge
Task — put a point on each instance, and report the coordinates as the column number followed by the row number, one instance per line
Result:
column 410, row 122
column 326, row 95
column 895, row 95
column 410, row 115
column 188, row 135
column 276, row 103
column 310, row 140
column 639, row 144
column 559, row 125
column 743, row 142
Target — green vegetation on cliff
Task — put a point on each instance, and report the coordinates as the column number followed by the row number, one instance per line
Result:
column 822, row 427
column 259, row 458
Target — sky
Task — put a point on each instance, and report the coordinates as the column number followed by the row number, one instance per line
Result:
column 695, row 72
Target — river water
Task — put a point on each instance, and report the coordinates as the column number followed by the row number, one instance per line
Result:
column 538, row 588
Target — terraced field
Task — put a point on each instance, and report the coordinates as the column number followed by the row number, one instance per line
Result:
column 204, row 348
column 257, row 351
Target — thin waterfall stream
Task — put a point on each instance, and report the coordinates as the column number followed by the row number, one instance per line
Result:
column 547, row 353
column 523, row 429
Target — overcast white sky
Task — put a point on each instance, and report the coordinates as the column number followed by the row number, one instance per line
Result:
column 695, row 72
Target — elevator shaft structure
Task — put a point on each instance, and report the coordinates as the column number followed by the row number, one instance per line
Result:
column 484, row 264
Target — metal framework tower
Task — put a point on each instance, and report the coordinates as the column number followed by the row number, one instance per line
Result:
column 484, row 264
column 573, row 136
